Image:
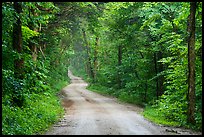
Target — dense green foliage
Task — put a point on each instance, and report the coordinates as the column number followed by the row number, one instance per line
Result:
column 43, row 77
column 135, row 51
column 141, row 57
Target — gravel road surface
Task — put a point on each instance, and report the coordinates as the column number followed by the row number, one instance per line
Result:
column 89, row 113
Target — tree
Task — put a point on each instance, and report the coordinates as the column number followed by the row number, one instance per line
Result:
column 17, row 41
column 120, row 48
column 19, row 62
column 89, row 63
column 191, row 63
column 39, row 14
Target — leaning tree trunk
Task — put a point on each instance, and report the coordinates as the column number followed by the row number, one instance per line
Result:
column 191, row 63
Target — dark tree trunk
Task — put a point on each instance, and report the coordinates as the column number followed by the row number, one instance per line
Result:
column 145, row 95
column 18, row 63
column 119, row 64
column 17, row 42
column 119, row 55
column 145, row 84
column 161, row 77
column 157, row 80
column 191, row 63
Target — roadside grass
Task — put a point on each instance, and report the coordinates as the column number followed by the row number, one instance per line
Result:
column 130, row 98
column 42, row 111
column 100, row 89
column 153, row 115
column 120, row 95
column 39, row 112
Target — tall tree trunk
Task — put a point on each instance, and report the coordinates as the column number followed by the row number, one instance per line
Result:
column 157, row 80
column 89, row 65
column 18, row 63
column 191, row 63
column 95, row 57
column 161, row 77
column 145, row 94
column 145, row 84
column 32, row 45
column 119, row 64
column 17, row 42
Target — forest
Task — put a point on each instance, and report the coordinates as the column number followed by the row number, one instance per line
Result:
column 144, row 53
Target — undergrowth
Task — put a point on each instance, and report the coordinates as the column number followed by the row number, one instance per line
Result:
column 155, row 116
column 42, row 111
column 39, row 110
column 121, row 95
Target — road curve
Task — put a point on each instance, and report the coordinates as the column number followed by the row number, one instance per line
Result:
column 88, row 113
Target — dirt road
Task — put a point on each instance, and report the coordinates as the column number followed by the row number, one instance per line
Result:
column 88, row 113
